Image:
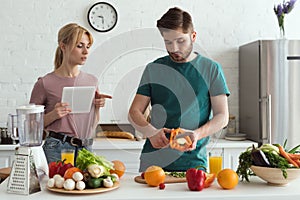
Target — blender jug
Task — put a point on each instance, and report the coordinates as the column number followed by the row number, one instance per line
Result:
column 30, row 125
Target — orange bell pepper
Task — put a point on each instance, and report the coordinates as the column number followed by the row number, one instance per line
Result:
column 174, row 144
column 209, row 180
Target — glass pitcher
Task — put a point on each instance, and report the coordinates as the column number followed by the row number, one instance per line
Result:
column 30, row 124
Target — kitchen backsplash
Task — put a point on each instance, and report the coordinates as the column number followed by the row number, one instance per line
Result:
column 29, row 31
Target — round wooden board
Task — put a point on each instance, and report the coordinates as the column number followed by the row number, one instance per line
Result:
column 168, row 179
column 86, row 191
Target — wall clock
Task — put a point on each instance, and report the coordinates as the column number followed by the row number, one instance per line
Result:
column 102, row 16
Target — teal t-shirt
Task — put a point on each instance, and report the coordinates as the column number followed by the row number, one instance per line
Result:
column 180, row 97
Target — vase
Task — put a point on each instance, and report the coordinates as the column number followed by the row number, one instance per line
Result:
column 282, row 32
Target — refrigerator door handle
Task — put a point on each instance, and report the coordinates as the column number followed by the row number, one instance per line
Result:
column 269, row 118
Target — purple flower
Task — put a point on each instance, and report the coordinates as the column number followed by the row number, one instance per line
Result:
column 288, row 6
column 281, row 10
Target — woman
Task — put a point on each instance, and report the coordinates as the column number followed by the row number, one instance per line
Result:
column 66, row 129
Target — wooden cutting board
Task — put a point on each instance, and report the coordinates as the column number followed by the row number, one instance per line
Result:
column 4, row 172
column 168, row 179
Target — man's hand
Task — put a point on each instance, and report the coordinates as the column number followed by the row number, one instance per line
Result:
column 193, row 136
column 159, row 140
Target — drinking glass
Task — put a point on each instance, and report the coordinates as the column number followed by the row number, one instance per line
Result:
column 68, row 155
column 215, row 161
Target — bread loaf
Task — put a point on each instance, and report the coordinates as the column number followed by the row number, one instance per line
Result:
column 116, row 134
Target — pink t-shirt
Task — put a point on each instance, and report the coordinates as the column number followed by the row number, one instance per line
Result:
column 47, row 91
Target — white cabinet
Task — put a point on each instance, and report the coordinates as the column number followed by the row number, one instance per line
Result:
column 7, row 155
column 231, row 151
column 128, row 151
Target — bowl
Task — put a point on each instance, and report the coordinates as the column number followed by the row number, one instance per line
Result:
column 274, row 176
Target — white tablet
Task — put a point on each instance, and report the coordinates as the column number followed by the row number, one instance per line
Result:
column 79, row 98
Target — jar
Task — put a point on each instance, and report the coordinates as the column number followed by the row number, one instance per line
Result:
column 231, row 127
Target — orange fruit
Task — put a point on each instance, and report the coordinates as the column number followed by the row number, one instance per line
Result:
column 119, row 168
column 227, row 178
column 209, row 179
column 154, row 175
column 69, row 172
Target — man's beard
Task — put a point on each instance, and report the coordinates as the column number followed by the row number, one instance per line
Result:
column 181, row 56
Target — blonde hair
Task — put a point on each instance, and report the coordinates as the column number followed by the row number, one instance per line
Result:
column 69, row 34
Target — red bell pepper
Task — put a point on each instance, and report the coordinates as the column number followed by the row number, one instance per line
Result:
column 58, row 167
column 195, row 179
column 63, row 168
column 53, row 168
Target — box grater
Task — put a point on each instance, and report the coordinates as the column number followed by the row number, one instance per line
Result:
column 23, row 178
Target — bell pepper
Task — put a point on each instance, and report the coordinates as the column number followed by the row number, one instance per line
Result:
column 195, row 179
column 209, row 180
column 63, row 168
column 175, row 144
column 58, row 167
column 53, row 168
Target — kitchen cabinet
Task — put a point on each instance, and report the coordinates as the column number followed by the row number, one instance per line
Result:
column 230, row 150
column 7, row 154
column 129, row 151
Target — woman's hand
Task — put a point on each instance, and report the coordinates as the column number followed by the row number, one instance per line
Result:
column 100, row 99
column 61, row 109
column 159, row 140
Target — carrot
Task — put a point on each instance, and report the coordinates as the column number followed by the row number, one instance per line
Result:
column 294, row 156
column 286, row 156
column 298, row 162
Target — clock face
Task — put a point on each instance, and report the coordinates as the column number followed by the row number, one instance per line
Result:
column 102, row 17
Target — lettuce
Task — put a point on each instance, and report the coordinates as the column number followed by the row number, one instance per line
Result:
column 85, row 158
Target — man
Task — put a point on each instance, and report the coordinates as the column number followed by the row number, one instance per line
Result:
column 186, row 90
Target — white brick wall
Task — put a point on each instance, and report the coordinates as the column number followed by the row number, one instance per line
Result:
column 29, row 30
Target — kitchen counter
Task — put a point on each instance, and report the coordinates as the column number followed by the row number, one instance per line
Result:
column 255, row 189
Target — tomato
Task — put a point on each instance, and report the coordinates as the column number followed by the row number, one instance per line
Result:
column 209, row 180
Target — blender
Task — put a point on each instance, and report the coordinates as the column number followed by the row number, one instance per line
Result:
column 23, row 177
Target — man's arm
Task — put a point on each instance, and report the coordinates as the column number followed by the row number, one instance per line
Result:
column 136, row 115
column 220, row 117
column 139, row 122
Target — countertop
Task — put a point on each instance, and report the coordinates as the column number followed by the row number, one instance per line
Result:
column 129, row 190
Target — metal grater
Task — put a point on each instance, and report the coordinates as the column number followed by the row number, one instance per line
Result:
column 23, row 177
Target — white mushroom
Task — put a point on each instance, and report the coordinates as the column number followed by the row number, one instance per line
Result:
column 77, row 176
column 57, row 176
column 69, row 184
column 80, row 185
column 59, row 182
column 108, row 182
column 51, row 183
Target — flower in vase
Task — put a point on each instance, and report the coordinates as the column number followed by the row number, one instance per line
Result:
column 281, row 10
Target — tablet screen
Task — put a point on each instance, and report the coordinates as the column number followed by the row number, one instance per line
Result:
column 79, row 98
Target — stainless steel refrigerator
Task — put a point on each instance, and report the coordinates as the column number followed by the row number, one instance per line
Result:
column 269, row 91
